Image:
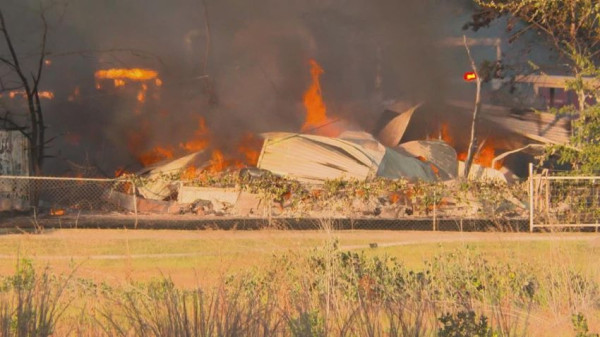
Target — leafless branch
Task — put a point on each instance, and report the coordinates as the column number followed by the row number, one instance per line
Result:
column 473, row 141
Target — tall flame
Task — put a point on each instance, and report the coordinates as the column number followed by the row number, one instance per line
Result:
column 316, row 111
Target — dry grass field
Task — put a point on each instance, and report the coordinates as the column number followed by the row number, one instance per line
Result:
column 512, row 284
column 192, row 257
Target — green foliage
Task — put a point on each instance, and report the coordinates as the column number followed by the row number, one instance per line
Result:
column 317, row 293
column 308, row 324
column 583, row 154
column 581, row 327
column 464, row 324
column 572, row 28
column 31, row 304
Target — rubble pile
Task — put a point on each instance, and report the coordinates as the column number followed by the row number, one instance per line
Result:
column 259, row 193
column 353, row 174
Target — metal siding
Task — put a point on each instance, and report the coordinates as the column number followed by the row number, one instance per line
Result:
column 14, row 161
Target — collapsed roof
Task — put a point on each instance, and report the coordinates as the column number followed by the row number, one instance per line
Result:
column 353, row 155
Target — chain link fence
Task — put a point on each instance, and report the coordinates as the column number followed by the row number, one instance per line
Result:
column 558, row 200
column 118, row 203
column 57, row 197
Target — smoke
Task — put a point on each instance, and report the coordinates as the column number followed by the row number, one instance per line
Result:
column 242, row 65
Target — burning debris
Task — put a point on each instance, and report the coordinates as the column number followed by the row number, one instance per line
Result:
column 281, row 172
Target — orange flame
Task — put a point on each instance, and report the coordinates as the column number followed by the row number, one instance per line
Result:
column 119, row 82
column 134, row 74
column 42, row 94
column 217, row 162
column 484, row 157
column 57, row 212
column 46, row 94
column 201, row 138
column 121, row 171
column 155, row 155
column 141, row 95
column 189, row 173
column 250, row 146
column 316, row 111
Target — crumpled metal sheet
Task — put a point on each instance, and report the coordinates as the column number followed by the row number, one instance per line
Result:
column 395, row 165
column 391, row 133
column 158, row 185
column 314, row 159
column 438, row 153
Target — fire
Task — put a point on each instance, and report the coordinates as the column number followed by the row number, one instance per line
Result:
column 120, row 76
column 134, row 74
column 57, row 212
column 217, row 162
column 121, row 171
column 46, row 94
column 470, row 76
column 201, row 138
column 141, row 95
column 42, row 94
column 483, row 157
column 316, row 111
column 155, row 155
column 118, row 82
column 189, row 173
column 250, row 146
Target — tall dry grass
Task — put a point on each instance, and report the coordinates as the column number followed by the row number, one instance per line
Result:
column 324, row 292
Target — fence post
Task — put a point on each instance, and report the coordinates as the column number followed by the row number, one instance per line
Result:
column 531, row 208
column 134, row 203
column 434, row 211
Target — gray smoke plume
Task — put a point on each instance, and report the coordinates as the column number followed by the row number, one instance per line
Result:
column 242, row 65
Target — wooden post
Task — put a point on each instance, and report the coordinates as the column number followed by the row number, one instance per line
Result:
column 135, row 204
column 531, row 208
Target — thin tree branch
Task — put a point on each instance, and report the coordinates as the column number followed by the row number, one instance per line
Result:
column 473, row 141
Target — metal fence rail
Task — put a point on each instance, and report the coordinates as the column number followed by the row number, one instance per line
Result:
column 563, row 201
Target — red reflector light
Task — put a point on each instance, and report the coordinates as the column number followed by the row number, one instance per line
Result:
column 470, row 76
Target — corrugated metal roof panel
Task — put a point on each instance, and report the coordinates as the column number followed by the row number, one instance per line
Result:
column 541, row 127
column 314, row 158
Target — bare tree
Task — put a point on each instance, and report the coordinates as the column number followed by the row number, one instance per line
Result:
column 473, row 141
column 27, row 81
